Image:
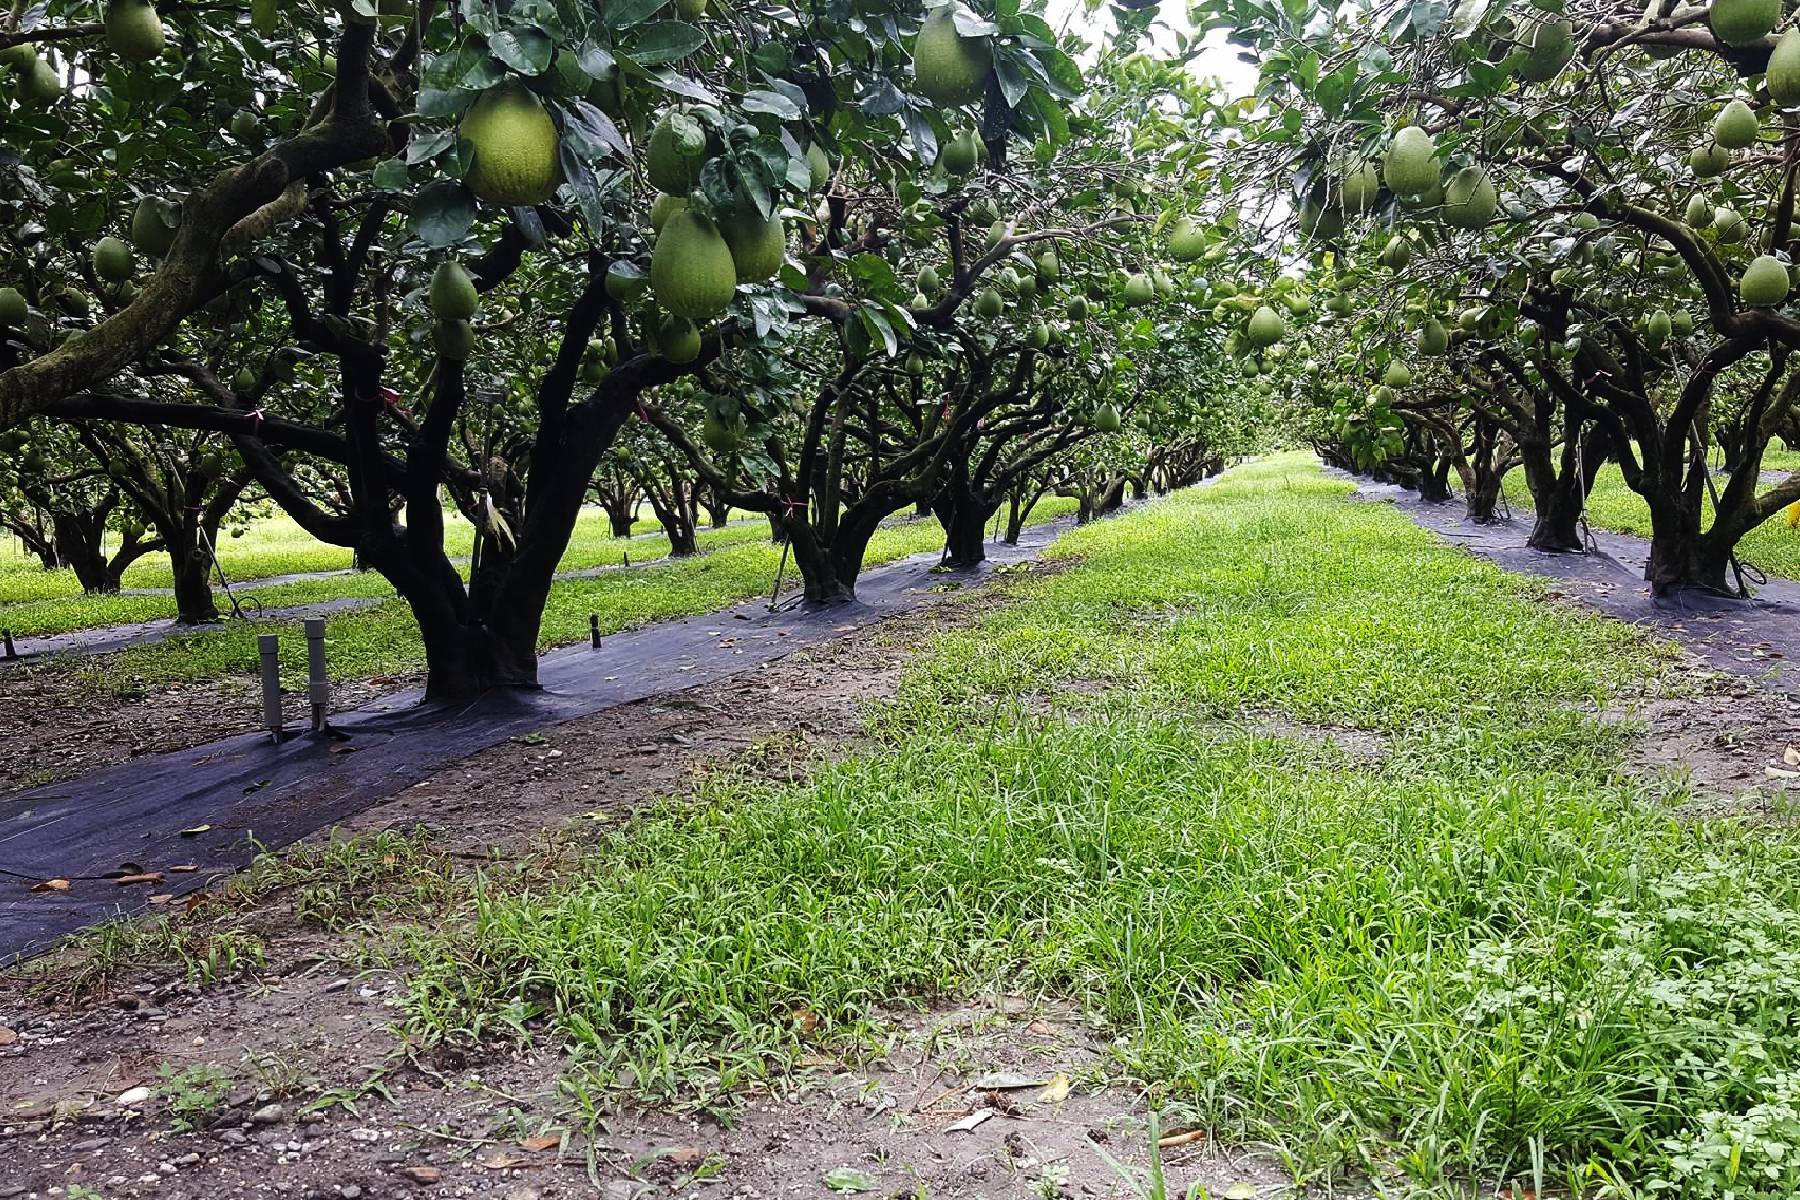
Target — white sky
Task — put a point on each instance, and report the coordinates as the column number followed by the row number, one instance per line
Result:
column 1217, row 58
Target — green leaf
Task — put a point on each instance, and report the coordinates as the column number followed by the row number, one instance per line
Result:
column 761, row 100
column 526, row 51
column 625, row 13
column 442, row 213
column 664, row 41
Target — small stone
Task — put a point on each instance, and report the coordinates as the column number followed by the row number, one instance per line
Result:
column 365, row 1135
column 350, row 1192
column 87, row 1144
column 421, row 1173
column 234, row 1136
column 9, row 1190
column 132, row 1096
column 311, row 1116
column 268, row 1114
column 338, row 985
column 188, row 1159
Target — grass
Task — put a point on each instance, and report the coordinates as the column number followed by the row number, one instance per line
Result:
column 1488, row 956
column 275, row 545
column 738, row 563
column 1771, row 547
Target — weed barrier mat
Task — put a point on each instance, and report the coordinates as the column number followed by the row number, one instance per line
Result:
column 180, row 820
column 110, row 639
column 1758, row 637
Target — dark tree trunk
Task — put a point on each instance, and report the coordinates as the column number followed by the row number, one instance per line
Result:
column 192, row 568
column 620, row 520
column 79, row 546
column 964, row 518
column 830, row 562
column 718, row 509
column 1483, row 500
column 1434, row 481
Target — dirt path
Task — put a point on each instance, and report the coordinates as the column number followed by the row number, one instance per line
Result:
column 952, row 1104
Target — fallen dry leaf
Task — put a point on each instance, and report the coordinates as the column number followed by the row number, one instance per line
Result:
column 971, row 1121
column 184, row 868
column 420, row 1173
column 1240, row 1191
column 7, row 1036
column 51, row 885
column 684, row 1156
column 195, row 831
column 1186, row 1137
column 1057, row 1090
column 546, row 1142
column 1791, row 756
column 499, row 1160
column 804, row 1019
column 146, row 877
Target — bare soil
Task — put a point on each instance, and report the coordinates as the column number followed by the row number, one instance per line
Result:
column 61, row 723
column 311, row 1093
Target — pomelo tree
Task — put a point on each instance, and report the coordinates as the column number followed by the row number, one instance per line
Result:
column 1596, row 178
column 387, row 280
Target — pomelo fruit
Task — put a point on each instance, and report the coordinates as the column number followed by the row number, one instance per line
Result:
column 1469, row 199
column 1699, row 211
column 676, row 153
column 13, row 308
column 1048, row 267
column 112, row 260
column 1729, row 226
column 1187, row 241
column 1411, row 166
column 1708, row 160
column 989, row 304
column 515, row 147
column 1139, row 290
column 1360, row 187
column 1078, row 308
column 133, row 30
column 1039, row 337
column 1742, row 22
column 1736, row 126
column 1658, row 327
column 818, row 165
column 664, row 207
column 40, row 85
column 1783, row 76
column 1548, row 48
column 150, row 228
column 961, row 153
column 928, row 281
column 265, row 15
column 1397, row 375
column 758, row 245
column 1764, row 283
column 691, row 269
column 1266, row 327
column 1433, row 339
column 678, row 340
column 1106, row 419
column 1321, row 222
column 452, row 295
column 1397, row 254
column 951, row 69
column 455, row 340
